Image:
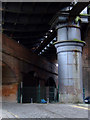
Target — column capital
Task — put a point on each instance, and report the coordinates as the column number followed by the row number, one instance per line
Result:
column 59, row 20
column 62, row 20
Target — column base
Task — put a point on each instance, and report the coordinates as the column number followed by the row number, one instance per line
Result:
column 69, row 98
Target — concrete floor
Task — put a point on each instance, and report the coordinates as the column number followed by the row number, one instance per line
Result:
column 14, row 110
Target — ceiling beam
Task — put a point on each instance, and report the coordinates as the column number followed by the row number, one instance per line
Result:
column 75, row 11
column 46, row 42
column 26, row 31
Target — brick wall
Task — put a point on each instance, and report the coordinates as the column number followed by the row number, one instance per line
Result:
column 9, row 93
column 86, row 64
column 18, row 61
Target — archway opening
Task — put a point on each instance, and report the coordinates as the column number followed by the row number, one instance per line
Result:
column 30, row 87
column 51, row 90
column 31, row 79
column 50, row 82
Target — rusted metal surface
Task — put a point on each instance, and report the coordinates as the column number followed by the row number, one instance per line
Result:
column 70, row 69
column 69, row 52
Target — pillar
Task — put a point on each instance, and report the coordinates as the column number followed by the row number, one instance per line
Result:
column 69, row 53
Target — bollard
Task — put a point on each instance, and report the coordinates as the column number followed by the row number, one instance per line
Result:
column 31, row 100
column 47, row 100
column 21, row 98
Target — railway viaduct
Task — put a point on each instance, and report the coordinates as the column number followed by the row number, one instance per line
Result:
column 17, row 63
column 29, row 61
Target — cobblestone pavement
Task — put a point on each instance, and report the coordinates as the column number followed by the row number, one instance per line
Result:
column 15, row 110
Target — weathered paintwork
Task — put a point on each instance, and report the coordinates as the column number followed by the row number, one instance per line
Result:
column 69, row 54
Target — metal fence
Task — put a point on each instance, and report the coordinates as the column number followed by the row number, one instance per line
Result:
column 35, row 94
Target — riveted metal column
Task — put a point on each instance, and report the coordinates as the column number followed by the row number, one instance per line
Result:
column 69, row 52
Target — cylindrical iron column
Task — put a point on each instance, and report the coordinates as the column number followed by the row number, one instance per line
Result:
column 69, row 52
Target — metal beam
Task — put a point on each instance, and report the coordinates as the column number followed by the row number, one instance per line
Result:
column 75, row 11
column 46, row 42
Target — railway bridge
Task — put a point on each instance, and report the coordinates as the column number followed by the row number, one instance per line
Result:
column 45, row 51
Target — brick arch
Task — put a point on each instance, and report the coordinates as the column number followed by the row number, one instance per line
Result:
column 50, row 82
column 31, row 79
column 13, row 64
column 8, row 70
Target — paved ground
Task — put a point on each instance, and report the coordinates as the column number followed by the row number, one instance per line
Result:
column 13, row 110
